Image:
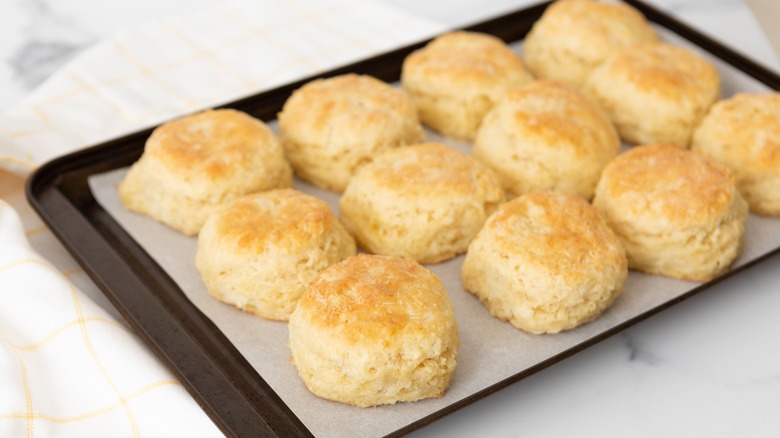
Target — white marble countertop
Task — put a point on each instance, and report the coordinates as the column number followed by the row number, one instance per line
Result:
column 709, row 366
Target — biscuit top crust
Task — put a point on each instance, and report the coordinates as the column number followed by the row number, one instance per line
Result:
column 284, row 218
column 744, row 131
column 591, row 29
column 376, row 300
column 559, row 116
column 674, row 73
column 212, row 145
column 559, row 233
column 473, row 63
column 355, row 104
column 666, row 187
column 431, row 169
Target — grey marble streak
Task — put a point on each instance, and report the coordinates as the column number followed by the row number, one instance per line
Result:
column 49, row 41
column 639, row 353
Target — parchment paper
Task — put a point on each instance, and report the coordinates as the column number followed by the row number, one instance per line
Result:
column 491, row 350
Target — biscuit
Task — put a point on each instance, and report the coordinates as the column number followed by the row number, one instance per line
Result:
column 193, row 165
column 678, row 212
column 545, row 262
column 331, row 127
column 375, row 330
column 423, row 202
column 260, row 251
column 744, row 134
column 547, row 136
column 655, row 93
column 574, row 36
column 458, row 77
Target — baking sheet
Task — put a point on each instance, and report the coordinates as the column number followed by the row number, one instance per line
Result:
column 491, row 350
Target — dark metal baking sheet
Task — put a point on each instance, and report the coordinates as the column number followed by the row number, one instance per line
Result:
column 216, row 374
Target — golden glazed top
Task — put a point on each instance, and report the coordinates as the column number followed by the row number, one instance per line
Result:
column 371, row 299
column 427, row 170
column 662, row 186
column 212, row 145
column 470, row 62
column 285, row 218
column 557, row 233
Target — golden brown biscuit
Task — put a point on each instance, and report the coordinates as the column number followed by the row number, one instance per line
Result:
column 423, row 202
column 575, row 36
column 547, row 136
column 655, row 93
column 678, row 212
column 331, row 127
column 193, row 165
column 744, row 134
column 545, row 262
column 260, row 251
column 458, row 77
column 375, row 330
